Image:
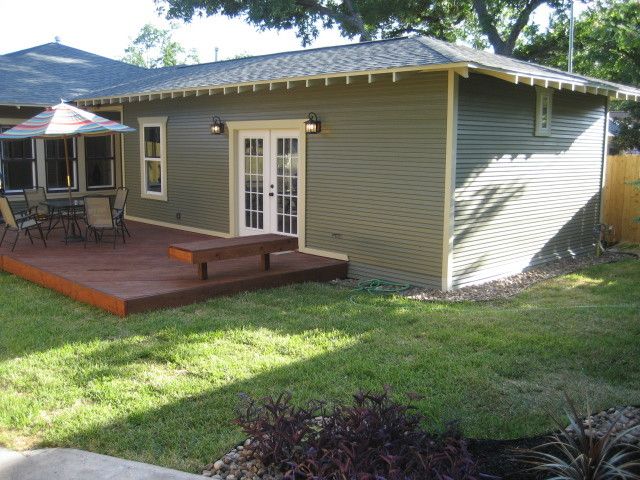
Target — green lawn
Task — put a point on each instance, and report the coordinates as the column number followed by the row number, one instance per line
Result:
column 161, row 387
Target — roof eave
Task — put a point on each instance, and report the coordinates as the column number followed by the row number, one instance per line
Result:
column 369, row 76
column 562, row 83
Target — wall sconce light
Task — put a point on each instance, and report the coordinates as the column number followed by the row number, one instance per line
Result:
column 313, row 125
column 217, row 127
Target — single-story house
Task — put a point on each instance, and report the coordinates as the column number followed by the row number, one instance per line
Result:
column 430, row 163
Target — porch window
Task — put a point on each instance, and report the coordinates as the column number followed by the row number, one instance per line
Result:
column 544, row 97
column 56, row 167
column 18, row 164
column 153, row 157
column 100, row 162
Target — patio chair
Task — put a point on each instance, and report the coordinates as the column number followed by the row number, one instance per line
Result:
column 99, row 219
column 35, row 199
column 19, row 224
column 118, row 209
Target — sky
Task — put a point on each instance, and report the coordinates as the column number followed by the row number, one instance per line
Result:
column 106, row 28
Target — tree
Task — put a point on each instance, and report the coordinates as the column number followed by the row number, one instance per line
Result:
column 154, row 47
column 607, row 46
column 495, row 22
column 362, row 19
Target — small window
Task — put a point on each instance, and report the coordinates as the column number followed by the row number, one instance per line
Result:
column 18, row 164
column 100, row 162
column 56, row 165
column 153, row 158
column 544, row 102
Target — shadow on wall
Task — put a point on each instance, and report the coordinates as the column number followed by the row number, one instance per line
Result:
column 523, row 199
column 575, row 237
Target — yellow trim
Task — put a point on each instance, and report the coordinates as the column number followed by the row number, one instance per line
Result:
column 178, row 227
column 233, row 129
column 449, row 181
column 324, row 253
column 286, row 80
column 154, row 122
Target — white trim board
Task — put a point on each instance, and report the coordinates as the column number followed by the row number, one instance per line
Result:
column 448, row 217
column 185, row 228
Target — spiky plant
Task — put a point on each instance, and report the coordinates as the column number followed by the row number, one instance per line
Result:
column 577, row 454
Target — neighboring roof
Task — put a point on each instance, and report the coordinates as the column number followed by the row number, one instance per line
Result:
column 43, row 75
column 376, row 57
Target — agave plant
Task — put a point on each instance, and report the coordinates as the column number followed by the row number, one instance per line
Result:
column 578, row 454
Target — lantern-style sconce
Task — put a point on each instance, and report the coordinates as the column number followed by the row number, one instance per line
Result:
column 313, row 125
column 217, row 127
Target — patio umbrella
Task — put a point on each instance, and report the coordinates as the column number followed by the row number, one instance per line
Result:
column 64, row 121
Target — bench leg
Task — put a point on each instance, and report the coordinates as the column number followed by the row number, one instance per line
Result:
column 265, row 262
column 202, row 271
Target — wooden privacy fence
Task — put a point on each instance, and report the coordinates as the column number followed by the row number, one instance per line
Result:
column 621, row 200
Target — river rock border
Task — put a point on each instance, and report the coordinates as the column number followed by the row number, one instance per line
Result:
column 241, row 462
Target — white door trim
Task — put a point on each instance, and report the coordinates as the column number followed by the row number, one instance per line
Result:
column 233, row 130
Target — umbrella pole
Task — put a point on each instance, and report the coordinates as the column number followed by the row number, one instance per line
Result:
column 66, row 159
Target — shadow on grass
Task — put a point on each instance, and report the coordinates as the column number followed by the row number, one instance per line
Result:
column 162, row 387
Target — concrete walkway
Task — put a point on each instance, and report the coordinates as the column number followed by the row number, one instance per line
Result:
column 71, row 464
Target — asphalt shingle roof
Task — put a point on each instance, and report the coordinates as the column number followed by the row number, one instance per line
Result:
column 42, row 75
column 359, row 57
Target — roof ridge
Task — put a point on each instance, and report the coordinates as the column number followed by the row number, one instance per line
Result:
column 301, row 50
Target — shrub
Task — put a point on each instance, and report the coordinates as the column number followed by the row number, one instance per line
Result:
column 375, row 438
column 577, row 453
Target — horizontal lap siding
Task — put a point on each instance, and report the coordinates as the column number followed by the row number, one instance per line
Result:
column 522, row 200
column 375, row 175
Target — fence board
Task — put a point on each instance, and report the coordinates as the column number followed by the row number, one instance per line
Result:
column 621, row 200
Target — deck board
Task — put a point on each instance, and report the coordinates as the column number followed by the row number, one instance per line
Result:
column 140, row 276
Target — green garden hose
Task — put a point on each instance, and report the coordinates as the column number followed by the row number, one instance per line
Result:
column 381, row 287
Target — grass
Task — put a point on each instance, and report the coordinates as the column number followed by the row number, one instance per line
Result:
column 161, row 387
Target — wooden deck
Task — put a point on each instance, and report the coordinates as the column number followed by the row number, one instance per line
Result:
column 140, row 276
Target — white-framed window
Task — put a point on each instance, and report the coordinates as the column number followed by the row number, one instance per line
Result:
column 100, row 162
column 153, row 157
column 17, row 164
column 56, row 164
column 544, row 104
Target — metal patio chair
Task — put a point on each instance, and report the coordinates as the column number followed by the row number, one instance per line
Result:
column 36, row 199
column 99, row 219
column 119, row 205
column 25, row 223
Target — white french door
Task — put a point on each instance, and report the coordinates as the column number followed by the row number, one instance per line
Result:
column 269, row 162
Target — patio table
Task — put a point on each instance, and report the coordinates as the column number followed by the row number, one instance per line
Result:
column 68, row 208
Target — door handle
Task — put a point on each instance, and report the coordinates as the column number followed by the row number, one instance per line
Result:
column 271, row 194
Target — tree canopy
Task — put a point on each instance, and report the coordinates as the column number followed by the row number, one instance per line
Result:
column 154, row 47
column 496, row 22
column 606, row 45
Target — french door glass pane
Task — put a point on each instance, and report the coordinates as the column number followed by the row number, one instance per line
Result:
column 286, row 185
column 254, row 183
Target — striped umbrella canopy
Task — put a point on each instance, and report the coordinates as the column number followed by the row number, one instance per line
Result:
column 64, row 121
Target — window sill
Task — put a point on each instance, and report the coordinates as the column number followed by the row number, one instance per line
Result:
column 154, row 196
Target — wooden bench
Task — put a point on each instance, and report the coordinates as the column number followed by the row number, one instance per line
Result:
column 203, row 251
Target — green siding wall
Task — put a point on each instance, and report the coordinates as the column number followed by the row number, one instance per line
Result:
column 375, row 175
column 522, row 200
